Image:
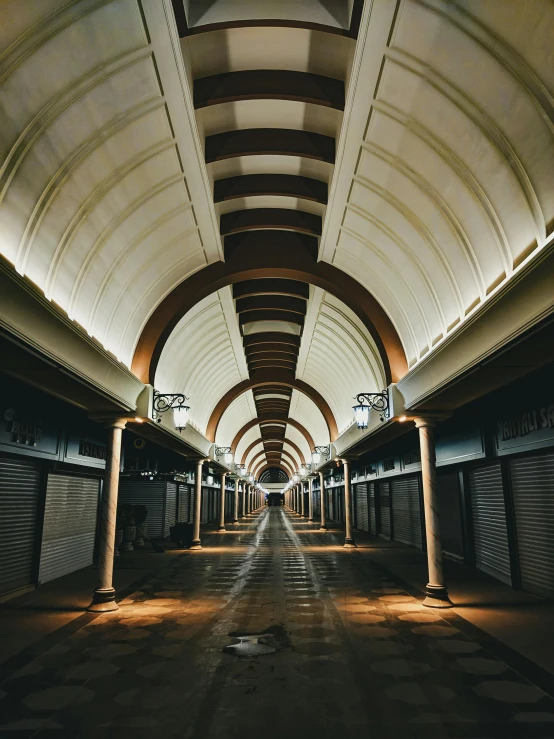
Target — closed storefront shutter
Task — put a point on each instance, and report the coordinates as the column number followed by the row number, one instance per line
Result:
column 330, row 504
column 371, row 506
column 384, row 509
column 362, row 509
column 170, row 507
column 489, row 522
column 406, row 511
column 69, row 530
column 183, row 505
column 205, row 505
column 149, row 493
column 340, row 504
column 19, row 496
column 317, row 503
column 533, row 494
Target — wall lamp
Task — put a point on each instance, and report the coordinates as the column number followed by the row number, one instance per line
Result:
column 171, row 401
column 320, row 451
column 374, row 402
column 226, row 453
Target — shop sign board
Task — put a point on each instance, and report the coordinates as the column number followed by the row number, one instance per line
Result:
column 532, row 428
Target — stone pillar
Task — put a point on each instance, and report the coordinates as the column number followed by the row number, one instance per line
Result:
column 310, row 500
column 103, row 598
column 323, row 526
column 302, row 501
column 222, row 505
column 243, row 500
column 236, row 504
column 197, row 506
column 436, row 590
column 349, row 542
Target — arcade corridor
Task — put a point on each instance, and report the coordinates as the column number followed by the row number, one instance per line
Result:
column 272, row 629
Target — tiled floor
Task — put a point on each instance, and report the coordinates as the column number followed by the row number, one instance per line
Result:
column 269, row 632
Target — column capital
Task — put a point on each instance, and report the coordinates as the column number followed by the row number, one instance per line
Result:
column 429, row 418
column 111, row 420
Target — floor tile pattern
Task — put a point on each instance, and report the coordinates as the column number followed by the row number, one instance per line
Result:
column 271, row 630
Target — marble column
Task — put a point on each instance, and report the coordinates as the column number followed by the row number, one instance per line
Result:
column 222, row 503
column 436, row 590
column 243, row 500
column 310, row 500
column 197, row 506
column 103, row 598
column 349, row 542
column 236, row 503
column 323, row 526
column 302, row 501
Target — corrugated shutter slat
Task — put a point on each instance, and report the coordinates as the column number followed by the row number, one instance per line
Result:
column 533, row 493
column 362, row 508
column 19, row 496
column 149, row 493
column 69, row 530
column 384, row 508
column 492, row 554
column 406, row 511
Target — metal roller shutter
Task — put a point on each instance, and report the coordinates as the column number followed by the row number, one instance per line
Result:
column 170, row 507
column 317, row 503
column 19, row 497
column 69, row 531
column 149, row 493
column 183, row 504
column 371, row 507
column 362, row 508
column 205, row 517
column 406, row 512
column 384, row 509
column 330, row 504
column 533, row 494
column 490, row 536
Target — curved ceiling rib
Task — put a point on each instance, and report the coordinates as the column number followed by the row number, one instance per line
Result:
column 289, row 209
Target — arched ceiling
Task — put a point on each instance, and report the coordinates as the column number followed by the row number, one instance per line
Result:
column 272, row 206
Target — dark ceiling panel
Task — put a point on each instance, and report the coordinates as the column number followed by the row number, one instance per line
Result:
column 253, row 316
column 269, row 302
column 275, row 350
column 287, row 185
column 252, row 219
column 273, row 286
column 249, row 241
column 278, row 141
column 271, row 337
column 270, row 84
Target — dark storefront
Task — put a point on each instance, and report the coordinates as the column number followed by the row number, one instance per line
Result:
column 52, row 458
column 495, row 474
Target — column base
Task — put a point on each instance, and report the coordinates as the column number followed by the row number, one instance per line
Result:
column 437, row 597
column 195, row 544
column 323, row 527
column 235, row 520
column 310, row 520
column 221, row 529
column 103, row 601
column 349, row 544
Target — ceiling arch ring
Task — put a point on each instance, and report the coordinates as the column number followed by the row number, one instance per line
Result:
column 268, row 263
column 252, row 445
column 257, row 456
column 280, row 465
column 256, row 421
column 271, row 377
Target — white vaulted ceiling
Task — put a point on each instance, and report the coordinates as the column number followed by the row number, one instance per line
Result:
column 445, row 180
column 103, row 203
column 442, row 185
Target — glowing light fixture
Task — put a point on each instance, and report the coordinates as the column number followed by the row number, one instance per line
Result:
column 374, row 402
column 318, row 453
column 226, row 453
column 171, row 401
